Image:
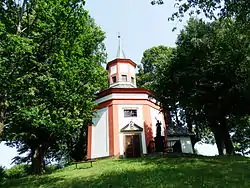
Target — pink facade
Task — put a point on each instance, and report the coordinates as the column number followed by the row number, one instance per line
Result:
column 126, row 116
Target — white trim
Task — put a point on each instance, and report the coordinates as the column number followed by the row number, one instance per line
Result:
column 143, row 140
column 107, row 133
column 121, row 96
column 130, row 108
column 122, row 82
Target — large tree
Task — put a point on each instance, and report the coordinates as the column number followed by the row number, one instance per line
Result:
column 205, row 79
column 50, row 65
column 228, row 50
column 155, row 74
column 210, row 73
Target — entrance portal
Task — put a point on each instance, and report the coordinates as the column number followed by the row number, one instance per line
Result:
column 132, row 146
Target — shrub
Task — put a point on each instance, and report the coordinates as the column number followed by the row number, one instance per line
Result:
column 18, row 171
column 3, row 174
column 51, row 168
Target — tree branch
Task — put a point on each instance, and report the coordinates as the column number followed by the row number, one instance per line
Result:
column 20, row 17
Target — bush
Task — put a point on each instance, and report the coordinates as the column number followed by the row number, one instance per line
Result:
column 51, row 168
column 3, row 174
column 18, row 171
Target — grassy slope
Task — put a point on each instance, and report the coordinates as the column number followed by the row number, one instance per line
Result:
column 148, row 172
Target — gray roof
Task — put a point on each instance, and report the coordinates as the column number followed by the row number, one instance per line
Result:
column 173, row 130
column 120, row 52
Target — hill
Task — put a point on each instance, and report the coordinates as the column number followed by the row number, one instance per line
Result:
column 228, row 171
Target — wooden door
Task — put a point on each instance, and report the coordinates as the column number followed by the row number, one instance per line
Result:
column 132, row 146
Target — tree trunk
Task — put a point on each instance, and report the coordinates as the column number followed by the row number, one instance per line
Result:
column 167, row 118
column 226, row 136
column 219, row 141
column 216, row 129
column 79, row 151
column 194, row 138
column 1, row 120
column 37, row 162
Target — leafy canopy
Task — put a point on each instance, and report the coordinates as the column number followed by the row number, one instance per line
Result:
column 50, row 65
column 240, row 9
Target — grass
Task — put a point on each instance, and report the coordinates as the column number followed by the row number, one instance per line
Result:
column 174, row 172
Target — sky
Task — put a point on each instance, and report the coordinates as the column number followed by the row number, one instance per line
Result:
column 141, row 27
column 140, row 24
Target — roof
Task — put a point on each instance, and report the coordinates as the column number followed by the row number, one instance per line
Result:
column 120, row 60
column 120, row 52
column 173, row 130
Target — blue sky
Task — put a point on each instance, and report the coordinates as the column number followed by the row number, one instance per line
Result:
column 141, row 25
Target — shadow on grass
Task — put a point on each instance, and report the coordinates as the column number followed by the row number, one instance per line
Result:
column 166, row 173
column 31, row 181
column 152, row 172
column 179, row 160
column 81, row 168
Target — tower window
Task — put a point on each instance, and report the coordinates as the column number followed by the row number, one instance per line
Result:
column 113, row 79
column 130, row 113
column 124, row 78
column 133, row 80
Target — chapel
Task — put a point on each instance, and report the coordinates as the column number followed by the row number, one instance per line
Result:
column 126, row 116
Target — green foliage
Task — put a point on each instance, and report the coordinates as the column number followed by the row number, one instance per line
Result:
column 51, row 168
column 153, row 66
column 241, row 134
column 207, row 53
column 212, row 9
column 18, row 171
column 155, row 74
column 151, row 61
column 212, row 63
column 205, row 79
column 211, row 70
column 3, row 174
column 182, row 172
column 22, row 170
column 50, row 65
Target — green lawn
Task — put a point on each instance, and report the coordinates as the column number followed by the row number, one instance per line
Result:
column 148, row 172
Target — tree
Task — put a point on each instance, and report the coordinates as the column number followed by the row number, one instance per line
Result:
column 210, row 73
column 50, row 66
column 154, row 74
column 150, row 63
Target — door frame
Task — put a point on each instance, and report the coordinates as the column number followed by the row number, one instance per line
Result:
column 131, row 134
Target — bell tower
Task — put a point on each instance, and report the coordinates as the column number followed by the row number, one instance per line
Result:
column 121, row 71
